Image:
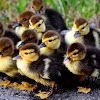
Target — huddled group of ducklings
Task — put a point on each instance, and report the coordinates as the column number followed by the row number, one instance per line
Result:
column 38, row 51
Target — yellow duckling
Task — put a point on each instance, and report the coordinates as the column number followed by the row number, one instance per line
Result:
column 37, row 23
column 82, row 33
column 51, row 43
column 7, row 65
column 43, row 69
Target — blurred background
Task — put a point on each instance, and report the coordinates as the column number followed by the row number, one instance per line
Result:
column 70, row 9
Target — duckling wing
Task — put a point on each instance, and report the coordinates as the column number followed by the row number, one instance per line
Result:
column 12, row 36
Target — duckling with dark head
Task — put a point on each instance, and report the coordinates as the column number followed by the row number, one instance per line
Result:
column 50, row 16
column 81, row 60
column 43, row 69
column 52, row 43
column 7, row 65
column 23, row 22
column 29, row 36
column 37, row 23
column 82, row 33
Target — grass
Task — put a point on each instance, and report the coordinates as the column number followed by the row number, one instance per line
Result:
column 70, row 9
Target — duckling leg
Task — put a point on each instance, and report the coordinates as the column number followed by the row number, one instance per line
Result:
column 82, row 78
column 6, row 83
column 25, row 86
column 44, row 95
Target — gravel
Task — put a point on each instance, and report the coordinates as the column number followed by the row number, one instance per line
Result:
column 10, row 93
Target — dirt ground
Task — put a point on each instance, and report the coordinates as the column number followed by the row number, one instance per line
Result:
column 10, row 93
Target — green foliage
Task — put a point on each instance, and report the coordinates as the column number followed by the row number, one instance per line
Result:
column 70, row 9
column 21, row 5
column 76, row 8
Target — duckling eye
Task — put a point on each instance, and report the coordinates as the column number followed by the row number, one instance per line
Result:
column 50, row 40
column 6, row 48
column 26, row 53
column 24, row 19
column 32, row 7
column 41, row 7
column 35, row 41
column 75, row 53
column 39, row 25
column 83, row 27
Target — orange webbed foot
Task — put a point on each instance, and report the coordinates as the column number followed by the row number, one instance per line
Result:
column 25, row 86
column 7, row 83
column 84, row 90
column 43, row 95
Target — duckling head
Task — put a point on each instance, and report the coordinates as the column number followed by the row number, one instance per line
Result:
column 29, row 52
column 29, row 36
column 51, row 39
column 75, row 52
column 6, row 47
column 37, row 6
column 1, row 29
column 23, row 19
column 80, row 27
column 37, row 23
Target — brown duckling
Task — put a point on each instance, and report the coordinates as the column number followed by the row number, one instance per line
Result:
column 82, row 33
column 23, row 22
column 8, row 33
column 7, row 65
column 50, row 16
column 52, row 43
column 83, row 61
column 43, row 69
column 29, row 36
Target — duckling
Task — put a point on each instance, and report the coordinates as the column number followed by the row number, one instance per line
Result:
column 52, row 43
column 29, row 36
column 23, row 22
column 7, row 65
column 50, row 16
column 8, row 33
column 41, row 68
column 82, row 60
column 82, row 33
column 37, row 23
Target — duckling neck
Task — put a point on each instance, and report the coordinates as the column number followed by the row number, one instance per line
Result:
column 46, row 51
column 40, row 35
column 19, row 30
column 35, row 58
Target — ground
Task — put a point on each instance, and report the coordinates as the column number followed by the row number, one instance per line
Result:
column 10, row 93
